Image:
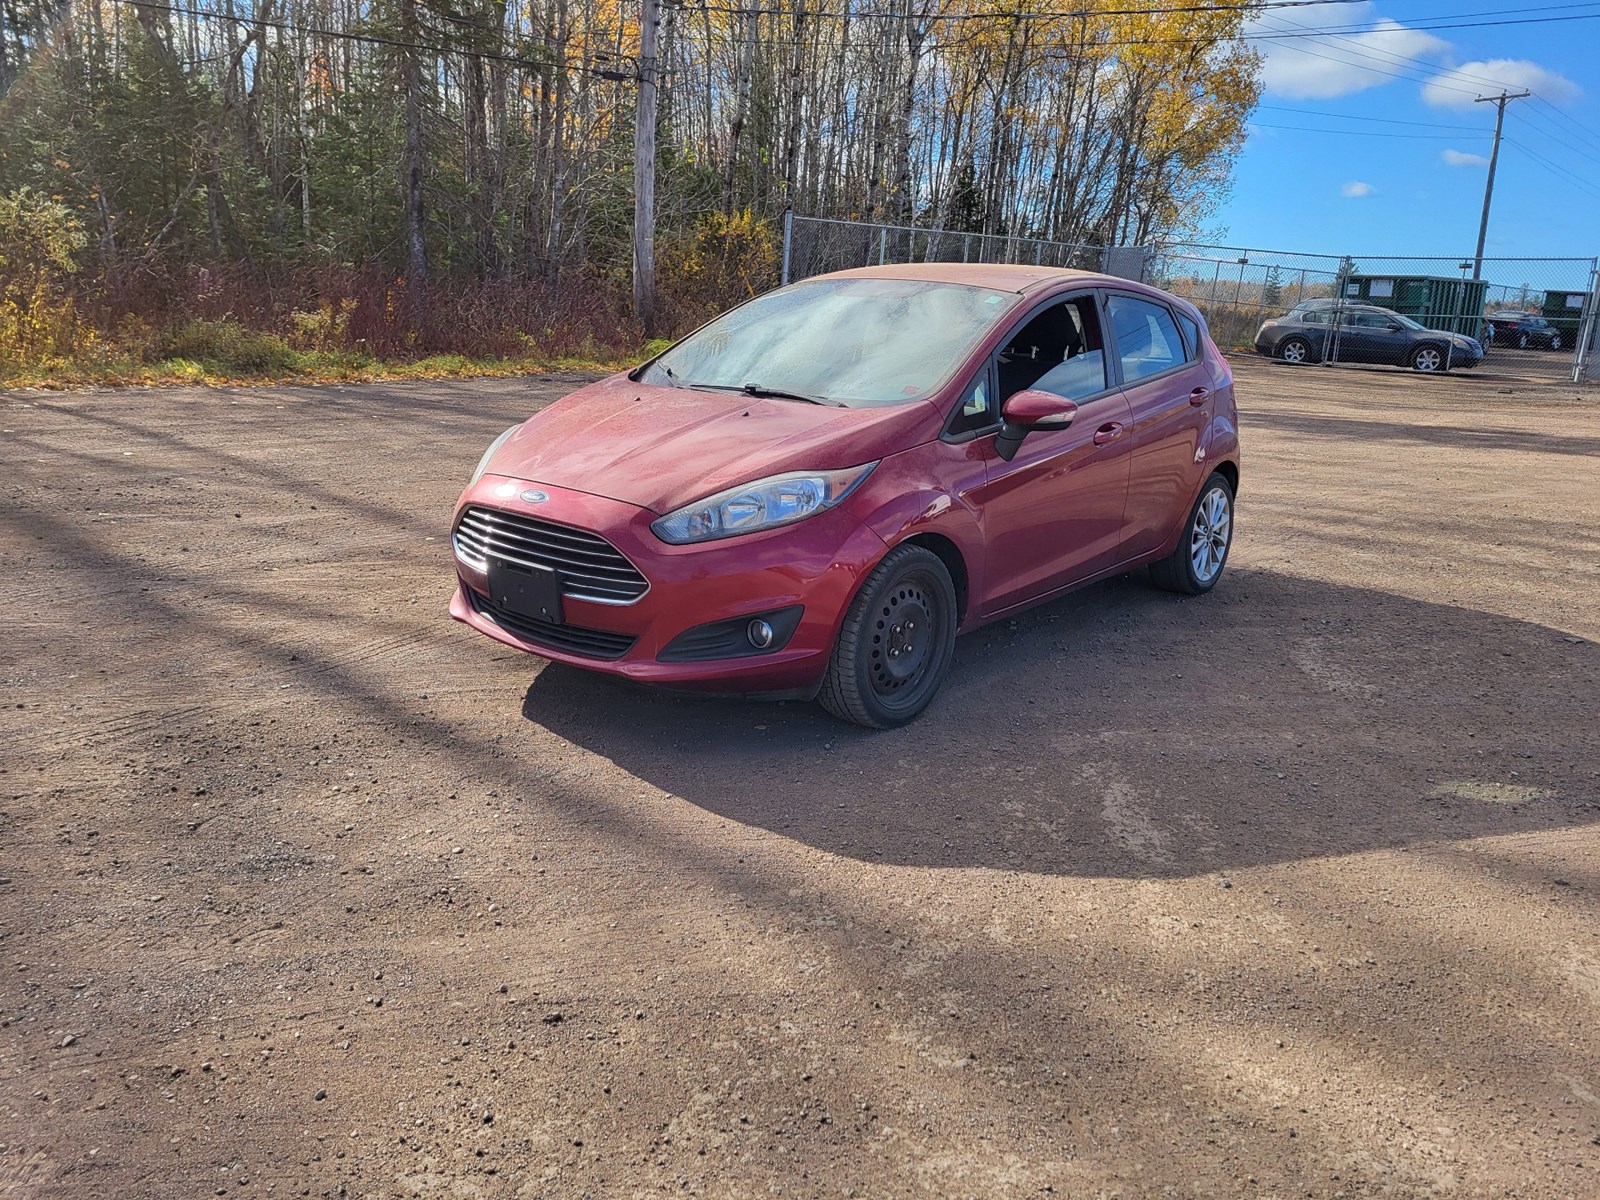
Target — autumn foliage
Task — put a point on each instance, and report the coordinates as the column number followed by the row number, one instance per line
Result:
column 410, row 179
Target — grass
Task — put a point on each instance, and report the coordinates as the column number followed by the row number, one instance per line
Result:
column 283, row 364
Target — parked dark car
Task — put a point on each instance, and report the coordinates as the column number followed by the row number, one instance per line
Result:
column 1524, row 330
column 1363, row 333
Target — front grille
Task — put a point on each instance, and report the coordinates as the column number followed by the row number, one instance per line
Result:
column 591, row 643
column 591, row 568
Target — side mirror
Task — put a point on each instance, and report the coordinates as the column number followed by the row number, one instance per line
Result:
column 1396, row 326
column 1026, row 411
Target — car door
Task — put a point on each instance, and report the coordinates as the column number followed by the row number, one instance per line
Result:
column 1053, row 515
column 1168, row 389
column 1382, row 339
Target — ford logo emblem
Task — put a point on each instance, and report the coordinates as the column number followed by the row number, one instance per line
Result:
column 534, row 496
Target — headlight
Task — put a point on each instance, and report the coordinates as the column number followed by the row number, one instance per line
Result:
column 764, row 504
column 483, row 463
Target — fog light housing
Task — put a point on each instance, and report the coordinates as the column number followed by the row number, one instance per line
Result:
column 736, row 637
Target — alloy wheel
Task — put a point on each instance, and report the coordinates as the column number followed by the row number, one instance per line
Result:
column 1428, row 359
column 1213, row 526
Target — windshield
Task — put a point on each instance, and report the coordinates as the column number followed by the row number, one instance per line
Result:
column 1406, row 321
column 865, row 343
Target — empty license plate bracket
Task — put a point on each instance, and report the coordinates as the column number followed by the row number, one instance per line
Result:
column 527, row 590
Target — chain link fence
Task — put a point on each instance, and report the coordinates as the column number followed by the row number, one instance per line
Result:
column 1526, row 317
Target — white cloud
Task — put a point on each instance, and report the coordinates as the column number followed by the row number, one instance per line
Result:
column 1461, row 86
column 1355, row 189
column 1460, row 158
column 1325, row 67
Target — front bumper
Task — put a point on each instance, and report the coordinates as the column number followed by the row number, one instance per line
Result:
column 817, row 563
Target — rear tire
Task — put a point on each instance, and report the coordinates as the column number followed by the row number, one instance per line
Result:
column 896, row 643
column 1196, row 564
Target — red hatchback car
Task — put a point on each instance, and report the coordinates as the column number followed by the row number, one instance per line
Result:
column 815, row 493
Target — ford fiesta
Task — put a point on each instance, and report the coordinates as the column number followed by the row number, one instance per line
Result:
column 815, row 493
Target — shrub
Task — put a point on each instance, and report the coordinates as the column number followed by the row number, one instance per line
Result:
column 327, row 327
column 39, row 241
column 227, row 348
column 724, row 260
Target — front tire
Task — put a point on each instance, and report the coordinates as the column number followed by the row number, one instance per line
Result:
column 1427, row 359
column 1295, row 350
column 1196, row 565
column 896, row 643
column 1555, row 342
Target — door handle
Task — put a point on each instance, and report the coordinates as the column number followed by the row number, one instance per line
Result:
column 1107, row 433
column 1198, row 396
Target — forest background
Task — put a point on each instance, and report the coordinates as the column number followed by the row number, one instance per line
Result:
column 348, row 188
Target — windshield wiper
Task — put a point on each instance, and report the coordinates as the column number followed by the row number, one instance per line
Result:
column 766, row 393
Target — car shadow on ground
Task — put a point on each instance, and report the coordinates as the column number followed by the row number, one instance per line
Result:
column 1127, row 732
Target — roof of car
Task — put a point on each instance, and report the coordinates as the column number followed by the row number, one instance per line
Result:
column 1002, row 277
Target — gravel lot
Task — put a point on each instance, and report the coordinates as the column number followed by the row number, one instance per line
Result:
column 1291, row 890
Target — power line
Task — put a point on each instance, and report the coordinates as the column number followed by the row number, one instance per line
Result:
column 1308, row 34
column 1369, row 133
column 1584, row 132
column 1556, row 169
column 1242, row 8
column 1556, row 137
column 1311, row 112
column 1410, row 69
column 379, row 40
column 1413, row 73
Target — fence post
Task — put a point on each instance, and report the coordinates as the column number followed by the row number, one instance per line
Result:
column 883, row 244
column 788, row 241
column 1588, row 327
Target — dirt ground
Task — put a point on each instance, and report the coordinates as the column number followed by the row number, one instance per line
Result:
column 1290, row 890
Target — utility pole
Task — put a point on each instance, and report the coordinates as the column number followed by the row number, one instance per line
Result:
column 1499, row 102
column 644, row 173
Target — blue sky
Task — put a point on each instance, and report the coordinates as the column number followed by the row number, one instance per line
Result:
column 1372, row 144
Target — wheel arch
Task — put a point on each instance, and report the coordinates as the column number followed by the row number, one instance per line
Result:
column 954, row 561
column 1229, row 470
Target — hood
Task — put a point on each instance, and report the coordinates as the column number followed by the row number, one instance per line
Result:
column 663, row 447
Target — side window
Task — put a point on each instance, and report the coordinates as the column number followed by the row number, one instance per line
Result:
column 1314, row 316
column 1191, row 335
column 1372, row 321
column 1147, row 337
column 1059, row 350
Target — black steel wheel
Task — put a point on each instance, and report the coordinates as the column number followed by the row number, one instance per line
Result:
column 895, row 645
